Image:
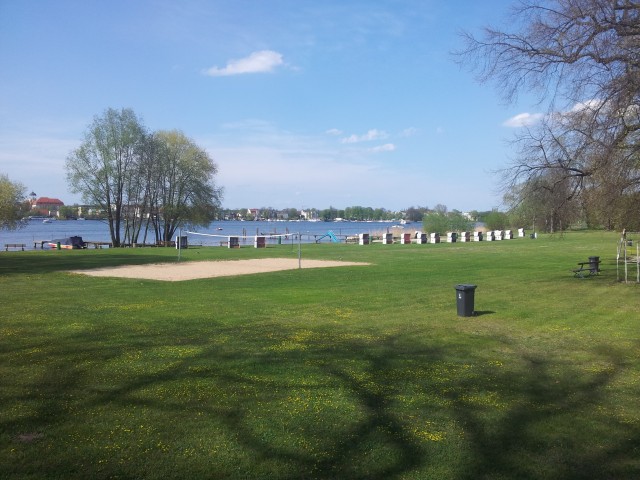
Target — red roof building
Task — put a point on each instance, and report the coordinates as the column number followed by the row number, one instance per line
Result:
column 45, row 201
column 47, row 206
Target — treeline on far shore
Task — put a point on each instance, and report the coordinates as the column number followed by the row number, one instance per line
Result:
column 356, row 214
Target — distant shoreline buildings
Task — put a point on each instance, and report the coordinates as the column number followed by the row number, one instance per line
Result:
column 54, row 207
column 45, row 206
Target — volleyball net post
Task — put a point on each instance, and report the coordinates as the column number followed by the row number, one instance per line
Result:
column 233, row 241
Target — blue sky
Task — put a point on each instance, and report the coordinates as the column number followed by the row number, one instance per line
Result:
column 300, row 103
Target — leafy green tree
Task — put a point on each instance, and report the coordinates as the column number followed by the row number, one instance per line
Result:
column 328, row 214
column 160, row 181
column 440, row 220
column 496, row 220
column 183, row 189
column 436, row 222
column 358, row 213
column 458, row 222
column 12, row 203
column 415, row 214
column 68, row 212
column 382, row 214
column 101, row 167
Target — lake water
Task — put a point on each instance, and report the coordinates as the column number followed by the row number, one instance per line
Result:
column 216, row 232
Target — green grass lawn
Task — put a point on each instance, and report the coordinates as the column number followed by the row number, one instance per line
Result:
column 352, row 372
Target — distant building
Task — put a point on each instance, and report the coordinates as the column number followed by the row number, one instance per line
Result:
column 47, row 206
column 309, row 214
column 88, row 211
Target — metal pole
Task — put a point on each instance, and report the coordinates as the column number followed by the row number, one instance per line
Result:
column 618, row 263
column 299, row 251
column 179, row 242
column 618, row 268
column 626, row 273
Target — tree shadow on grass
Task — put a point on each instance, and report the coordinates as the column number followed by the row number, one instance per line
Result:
column 554, row 428
column 545, row 423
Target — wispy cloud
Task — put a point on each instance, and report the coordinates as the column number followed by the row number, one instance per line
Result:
column 334, row 132
column 409, row 132
column 37, row 159
column 593, row 104
column 265, row 163
column 527, row 119
column 367, row 137
column 263, row 61
column 387, row 147
column 523, row 120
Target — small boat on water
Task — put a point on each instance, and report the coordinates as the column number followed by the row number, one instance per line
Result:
column 48, row 220
column 68, row 243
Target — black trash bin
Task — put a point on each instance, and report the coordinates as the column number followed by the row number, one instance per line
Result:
column 594, row 264
column 182, row 242
column 464, row 299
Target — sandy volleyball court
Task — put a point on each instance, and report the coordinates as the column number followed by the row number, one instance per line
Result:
column 174, row 272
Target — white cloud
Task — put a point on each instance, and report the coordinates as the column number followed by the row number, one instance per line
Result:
column 523, row 120
column 289, row 175
column 334, row 132
column 387, row 147
column 588, row 105
column 262, row 61
column 268, row 166
column 367, row 137
column 38, row 163
column 409, row 132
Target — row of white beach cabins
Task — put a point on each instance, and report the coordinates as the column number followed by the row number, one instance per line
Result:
column 452, row 237
column 405, row 238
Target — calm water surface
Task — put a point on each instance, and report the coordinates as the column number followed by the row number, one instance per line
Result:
column 216, row 232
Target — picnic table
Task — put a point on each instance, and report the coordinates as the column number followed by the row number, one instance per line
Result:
column 586, row 269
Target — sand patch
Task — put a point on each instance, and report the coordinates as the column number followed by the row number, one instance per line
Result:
column 175, row 272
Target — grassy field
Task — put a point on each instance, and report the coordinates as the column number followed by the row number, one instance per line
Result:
column 353, row 372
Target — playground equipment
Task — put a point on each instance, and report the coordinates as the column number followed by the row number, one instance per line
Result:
column 623, row 243
column 331, row 235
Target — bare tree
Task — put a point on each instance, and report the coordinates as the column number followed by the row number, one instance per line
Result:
column 545, row 203
column 582, row 58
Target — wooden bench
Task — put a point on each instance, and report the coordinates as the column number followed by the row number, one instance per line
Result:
column 587, row 268
column 7, row 246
